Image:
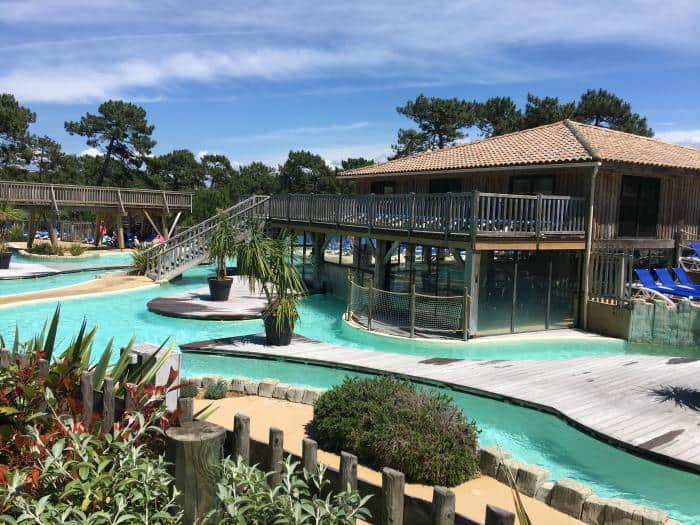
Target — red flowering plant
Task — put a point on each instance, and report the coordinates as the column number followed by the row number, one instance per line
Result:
column 41, row 418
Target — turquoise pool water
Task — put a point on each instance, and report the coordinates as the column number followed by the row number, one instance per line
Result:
column 112, row 258
column 33, row 284
column 531, row 436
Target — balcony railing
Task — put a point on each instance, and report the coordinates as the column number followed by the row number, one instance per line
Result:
column 66, row 195
column 450, row 214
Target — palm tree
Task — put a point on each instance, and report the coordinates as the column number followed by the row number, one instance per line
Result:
column 267, row 262
column 221, row 245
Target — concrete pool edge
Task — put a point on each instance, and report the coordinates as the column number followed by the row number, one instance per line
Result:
column 662, row 459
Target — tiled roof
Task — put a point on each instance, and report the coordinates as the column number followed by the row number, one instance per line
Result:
column 558, row 143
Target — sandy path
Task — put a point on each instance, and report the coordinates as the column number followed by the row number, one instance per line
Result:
column 471, row 496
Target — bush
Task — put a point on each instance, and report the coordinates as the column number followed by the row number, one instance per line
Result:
column 16, row 233
column 244, row 496
column 139, row 261
column 390, row 423
column 188, row 390
column 76, row 249
column 45, row 248
column 216, row 390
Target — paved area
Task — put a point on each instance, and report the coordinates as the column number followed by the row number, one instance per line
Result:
column 105, row 284
column 649, row 405
column 471, row 497
column 195, row 304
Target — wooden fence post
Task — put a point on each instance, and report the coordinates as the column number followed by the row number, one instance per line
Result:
column 309, row 455
column 412, row 309
column 348, row 472
column 108, row 401
column 196, row 479
column 443, row 507
column 186, row 406
column 87, row 394
column 276, row 460
column 496, row 516
column 241, row 437
column 393, row 484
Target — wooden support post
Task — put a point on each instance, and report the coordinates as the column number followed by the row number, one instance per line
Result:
column 53, row 230
column 465, row 313
column 31, row 230
column 43, row 367
column 174, row 224
column 309, row 455
column 241, row 438
column 443, row 512
column 496, row 516
column 379, row 264
column 370, row 294
column 412, row 307
column 348, row 307
column 393, row 485
column 275, row 456
column 585, row 278
column 164, row 226
column 186, row 407
column 120, row 232
column 108, row 404
column 195, row 479
column 348, row 472
column 96, row 234
column 150, row 220
column 87, row 394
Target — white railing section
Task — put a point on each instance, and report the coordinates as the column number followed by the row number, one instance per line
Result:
column 67, row 195
column 189, row 248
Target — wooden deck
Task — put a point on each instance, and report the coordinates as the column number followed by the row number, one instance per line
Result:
column 648, row 405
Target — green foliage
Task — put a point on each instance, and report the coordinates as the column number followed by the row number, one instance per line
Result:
column 540, row 111
column 46, row 248
column 353, row 163
column 76, row 249
column 498, row 116
column 268, row 265
column 14, row 136
column 222, row 243
column 15, row 233
column 177, row 170
column 305, row 172
column 206, row 202
column 603, row 108
column 216, row 390
column 390, row 423
column 120, row 130
column 244, row 496
column 189, row 390
column 255, row 177
column 217, row 170
column 139, row 260
column 7, row 214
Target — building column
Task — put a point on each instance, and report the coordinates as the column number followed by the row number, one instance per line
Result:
column 96, row 234
column 31, row 230
column 380, row 265
column 164, row 226
column 472, row 263
column 317, row 259
column 357, row 260
column 120, row 232
column 53, row 231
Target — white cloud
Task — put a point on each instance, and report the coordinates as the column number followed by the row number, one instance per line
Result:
column 127, row 47
column 90, row 152
column 280, row 134
column 201, row 154
column 689, row 137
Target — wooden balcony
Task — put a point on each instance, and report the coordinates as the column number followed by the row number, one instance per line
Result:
column 65, row 196
column 478, row 219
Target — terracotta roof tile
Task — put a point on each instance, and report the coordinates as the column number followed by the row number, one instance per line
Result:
column 560, row 142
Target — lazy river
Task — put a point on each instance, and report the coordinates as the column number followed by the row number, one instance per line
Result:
column 531, row 436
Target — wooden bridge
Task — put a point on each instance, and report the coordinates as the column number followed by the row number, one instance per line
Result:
column 108, row 203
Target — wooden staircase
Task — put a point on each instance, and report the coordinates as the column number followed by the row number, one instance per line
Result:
column 189, row 248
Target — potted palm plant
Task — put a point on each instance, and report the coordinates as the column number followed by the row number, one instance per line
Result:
column 221, row 245
column 7, row 214
column 267, row 263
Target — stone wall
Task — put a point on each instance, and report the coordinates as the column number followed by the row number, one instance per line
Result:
column 658, row 323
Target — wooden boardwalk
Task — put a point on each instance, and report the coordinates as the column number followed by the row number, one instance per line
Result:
column 649, row 405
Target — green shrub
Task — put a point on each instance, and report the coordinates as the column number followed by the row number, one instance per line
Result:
column 244, row 496
column 76, row 249
column 41, row 248
column 188, row 390
column 139, row 261
column 216, row 390
column 390, row 423
column 16, row 233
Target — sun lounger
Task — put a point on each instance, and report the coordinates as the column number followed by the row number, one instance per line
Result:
column 695, row 246
column 647, row 281
column 684, row 278
column 667, row 279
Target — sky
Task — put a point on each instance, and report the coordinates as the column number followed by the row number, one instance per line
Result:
column 255, row 79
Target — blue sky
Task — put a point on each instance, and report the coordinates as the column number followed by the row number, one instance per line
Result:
column 254, row 79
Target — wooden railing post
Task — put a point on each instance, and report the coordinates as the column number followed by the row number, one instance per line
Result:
column 186, row 406
column 241, row 438
column 538, row 216
column 474, row 222
column 275, row 456
column 496, row 516
column 413, row 310
column 348, row 472
column 196, row 480
column 412, row 220
column 108, row 404
column 87, row 394
column 443, row 512
column 309, row 455
column 393, row 485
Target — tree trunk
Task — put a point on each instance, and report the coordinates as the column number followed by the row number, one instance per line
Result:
column 105, row 163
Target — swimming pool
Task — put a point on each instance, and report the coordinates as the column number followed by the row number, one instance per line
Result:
column 531, row 436
column 116, row 258
column 34, row 284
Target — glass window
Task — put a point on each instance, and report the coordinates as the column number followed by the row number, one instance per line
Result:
column 383, row 186
column 445, row 185
column 639, row 207
column 532, row 184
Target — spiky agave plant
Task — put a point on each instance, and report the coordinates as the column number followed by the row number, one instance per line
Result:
column 7, row 214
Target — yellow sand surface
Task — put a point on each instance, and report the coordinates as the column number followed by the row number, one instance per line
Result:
column 471, row 496
column 106, row 284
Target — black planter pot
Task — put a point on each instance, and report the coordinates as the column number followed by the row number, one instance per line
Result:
column 5, row 260
column 276, row 337
column 219, row 289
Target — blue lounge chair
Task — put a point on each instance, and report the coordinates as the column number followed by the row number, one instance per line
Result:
column 695, row 246
column 647, row 281
column 667, row 279
column 684, row 278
